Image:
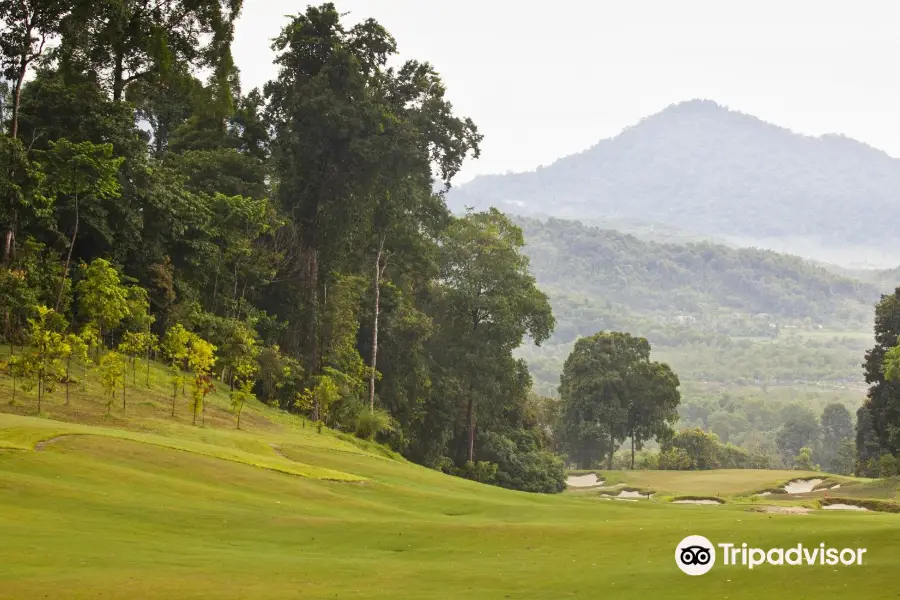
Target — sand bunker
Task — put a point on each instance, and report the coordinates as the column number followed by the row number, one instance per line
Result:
column 834, row 487
column 801, row 486
column 628, row 494
column 785, row 510
column 763, row 494
column 710, row 502
column 843, row 507
column 588, row 480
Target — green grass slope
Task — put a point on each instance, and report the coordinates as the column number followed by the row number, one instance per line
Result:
column 141, row 505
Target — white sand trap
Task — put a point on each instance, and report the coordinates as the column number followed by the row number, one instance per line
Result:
column 709, row 502
column 801, row 486
column 588, row 480
column 763, row 494
column 627, row 494
column 834, row 487
column 843, row 507
column 785, row 510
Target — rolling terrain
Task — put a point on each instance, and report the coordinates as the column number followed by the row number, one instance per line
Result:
column 141, row 504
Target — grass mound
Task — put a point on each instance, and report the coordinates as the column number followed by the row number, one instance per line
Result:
column 144, row 505
column 697, row 499
column 868, row 503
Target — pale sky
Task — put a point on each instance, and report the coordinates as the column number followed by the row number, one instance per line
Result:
column 546, row 79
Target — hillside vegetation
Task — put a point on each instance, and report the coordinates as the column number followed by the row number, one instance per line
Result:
column 719, row 315
column 704, row 281
column 289, row 244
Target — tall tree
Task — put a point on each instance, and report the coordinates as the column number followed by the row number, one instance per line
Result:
column 364, row 129
column 653, row 402
column 78, row 174
column 798, row 431
column 128, row 40
column 26, row 26
column 610, row 390
column 837, row 426
column 21, row 199
column 489, row 302
column 878, row 420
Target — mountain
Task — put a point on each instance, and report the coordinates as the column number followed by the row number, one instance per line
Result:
column 702, row 168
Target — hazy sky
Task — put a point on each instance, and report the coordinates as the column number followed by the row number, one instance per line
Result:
column 546, row 79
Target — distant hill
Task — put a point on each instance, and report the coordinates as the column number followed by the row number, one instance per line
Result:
column 694, row 279
column 720, row 315
column 699, row 167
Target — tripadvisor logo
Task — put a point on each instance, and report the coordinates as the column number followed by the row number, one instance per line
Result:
column 696, row 555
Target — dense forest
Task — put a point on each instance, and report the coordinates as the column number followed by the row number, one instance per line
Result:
column 287, row 243
column 705, row 281
column 701, row 167
column 293, row 244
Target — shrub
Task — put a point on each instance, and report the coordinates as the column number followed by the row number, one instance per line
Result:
column 733, row 457
column 647, row 461
column 675, row 459
column 370, row 423
column 522, row 464
column 887, row 465
column 803, row 461
column 481, row 471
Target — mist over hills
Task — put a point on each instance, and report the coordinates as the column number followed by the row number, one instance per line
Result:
column 712, row 172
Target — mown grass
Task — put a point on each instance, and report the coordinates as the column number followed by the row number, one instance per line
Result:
column 128, row 508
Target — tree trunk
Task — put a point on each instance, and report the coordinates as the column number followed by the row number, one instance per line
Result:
column 379, row 271
column 65, row 273
column 470, row 419
column 174, row 395
column 240, row 410
column 17, row 95
column 313, row 333
column 12, row 353
column 9, row 244
column 216, row 282
column 68, row 379
column 118, row 76
column 40, row 386
column 123, row 393
column 609, row 456
column 632, row 451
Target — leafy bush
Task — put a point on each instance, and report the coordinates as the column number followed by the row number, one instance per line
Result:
column 803, row 461
column 522, row 464
column 733, row 457
column 481, row 471
column 370, row 423
column 675, row 459
column 887, row 466
column 647, row 461
column 702, row 448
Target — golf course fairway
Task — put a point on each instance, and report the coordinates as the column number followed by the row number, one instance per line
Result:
column 92, row 512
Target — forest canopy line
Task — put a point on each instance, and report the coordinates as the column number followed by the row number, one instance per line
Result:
column 287, row 242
